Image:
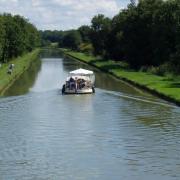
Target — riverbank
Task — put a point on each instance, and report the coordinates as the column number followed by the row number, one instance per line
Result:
column 167, row 88
column 21, row 64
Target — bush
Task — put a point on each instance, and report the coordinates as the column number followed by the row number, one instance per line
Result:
column 123, row 64
column 86, row 48
column 144, row 68
column 160, row 70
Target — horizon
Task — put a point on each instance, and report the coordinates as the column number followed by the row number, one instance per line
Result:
column 61, row 14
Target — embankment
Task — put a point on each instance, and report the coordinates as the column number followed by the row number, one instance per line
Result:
column 21, row 64
column 161, row 86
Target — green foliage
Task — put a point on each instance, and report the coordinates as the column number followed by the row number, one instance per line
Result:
column 72, row 40
column 86, row 48
column 99, row 33
column 2, row 38
column 160, row 71
column 85, row 32
column 17, row 36
column 49, row 36
column 146, row 34
column 21, row 64
column 175, row 61
column 165, row 85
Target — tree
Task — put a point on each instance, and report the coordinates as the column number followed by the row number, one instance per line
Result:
column 2, row 38
column 17, row 36
column 133, row 2
column 146, row 33
column 72, row 40
column 100, row 26
column 140, row 36
column 85, row 32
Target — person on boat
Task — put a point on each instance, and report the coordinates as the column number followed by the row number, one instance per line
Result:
column 71, row 83
column 71, row 79
column 83, row 83
column 68, row 84
column 76, row 84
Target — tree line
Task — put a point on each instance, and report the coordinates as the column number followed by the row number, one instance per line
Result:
column 17, row 36
column 143, row 34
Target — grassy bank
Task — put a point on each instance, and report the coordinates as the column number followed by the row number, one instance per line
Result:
column 21, row 65
column 165, row 87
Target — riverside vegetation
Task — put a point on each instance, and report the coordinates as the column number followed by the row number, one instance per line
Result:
column 140, row 44
column 167, row 87
column 17, row 36
column 146, row 36
column 18, row 41
column 21, row 64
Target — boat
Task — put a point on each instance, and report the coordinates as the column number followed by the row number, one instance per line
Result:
column 80, row 81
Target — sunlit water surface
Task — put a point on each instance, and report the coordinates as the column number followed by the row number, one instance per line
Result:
column 117, row 133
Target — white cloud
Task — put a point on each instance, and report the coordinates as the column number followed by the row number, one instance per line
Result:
column 61, row 14
column 9, row 1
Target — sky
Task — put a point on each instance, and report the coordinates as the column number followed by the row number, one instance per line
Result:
column 61, row 14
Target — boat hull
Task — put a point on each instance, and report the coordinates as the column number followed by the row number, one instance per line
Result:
column 83, row 91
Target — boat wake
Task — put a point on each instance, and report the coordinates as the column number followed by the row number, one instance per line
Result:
column 149, row 100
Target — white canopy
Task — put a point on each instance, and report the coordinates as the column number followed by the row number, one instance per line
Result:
column 81, row 72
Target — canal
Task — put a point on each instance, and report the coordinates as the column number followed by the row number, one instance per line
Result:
column 119, row 132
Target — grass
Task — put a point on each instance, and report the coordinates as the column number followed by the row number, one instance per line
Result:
column 21, row 64
column 168, row 88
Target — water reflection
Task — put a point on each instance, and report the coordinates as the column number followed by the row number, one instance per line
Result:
column 51, row 53
column 26, row 80
column 103, row 80
column 117, row 133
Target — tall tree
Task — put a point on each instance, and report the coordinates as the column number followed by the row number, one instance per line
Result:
column 132, row 2
column 72, row 40
column 17, row 36
column 85, row 32
column 101, row 27
column 2, row 38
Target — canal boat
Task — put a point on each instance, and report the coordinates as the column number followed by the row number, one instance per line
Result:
column 80, row 81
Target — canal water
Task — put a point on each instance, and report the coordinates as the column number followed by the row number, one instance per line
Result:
column 117, row 133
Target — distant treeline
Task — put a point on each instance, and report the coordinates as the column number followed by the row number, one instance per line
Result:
column 69, row 39
column 144, row 34
column 17, row 36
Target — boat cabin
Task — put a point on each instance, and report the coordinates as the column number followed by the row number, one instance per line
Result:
column 80, row 81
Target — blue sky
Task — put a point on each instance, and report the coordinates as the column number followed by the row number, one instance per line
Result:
column 61, row 14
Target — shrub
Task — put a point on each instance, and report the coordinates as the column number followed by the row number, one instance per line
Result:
column 86, row 48
column 160, row 70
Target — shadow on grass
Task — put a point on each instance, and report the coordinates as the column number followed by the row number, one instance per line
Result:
column 167, row 79
column 98, row 60
column 174, row 85
column 111, row 67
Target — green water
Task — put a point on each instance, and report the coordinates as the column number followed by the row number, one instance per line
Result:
column 117, row 133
